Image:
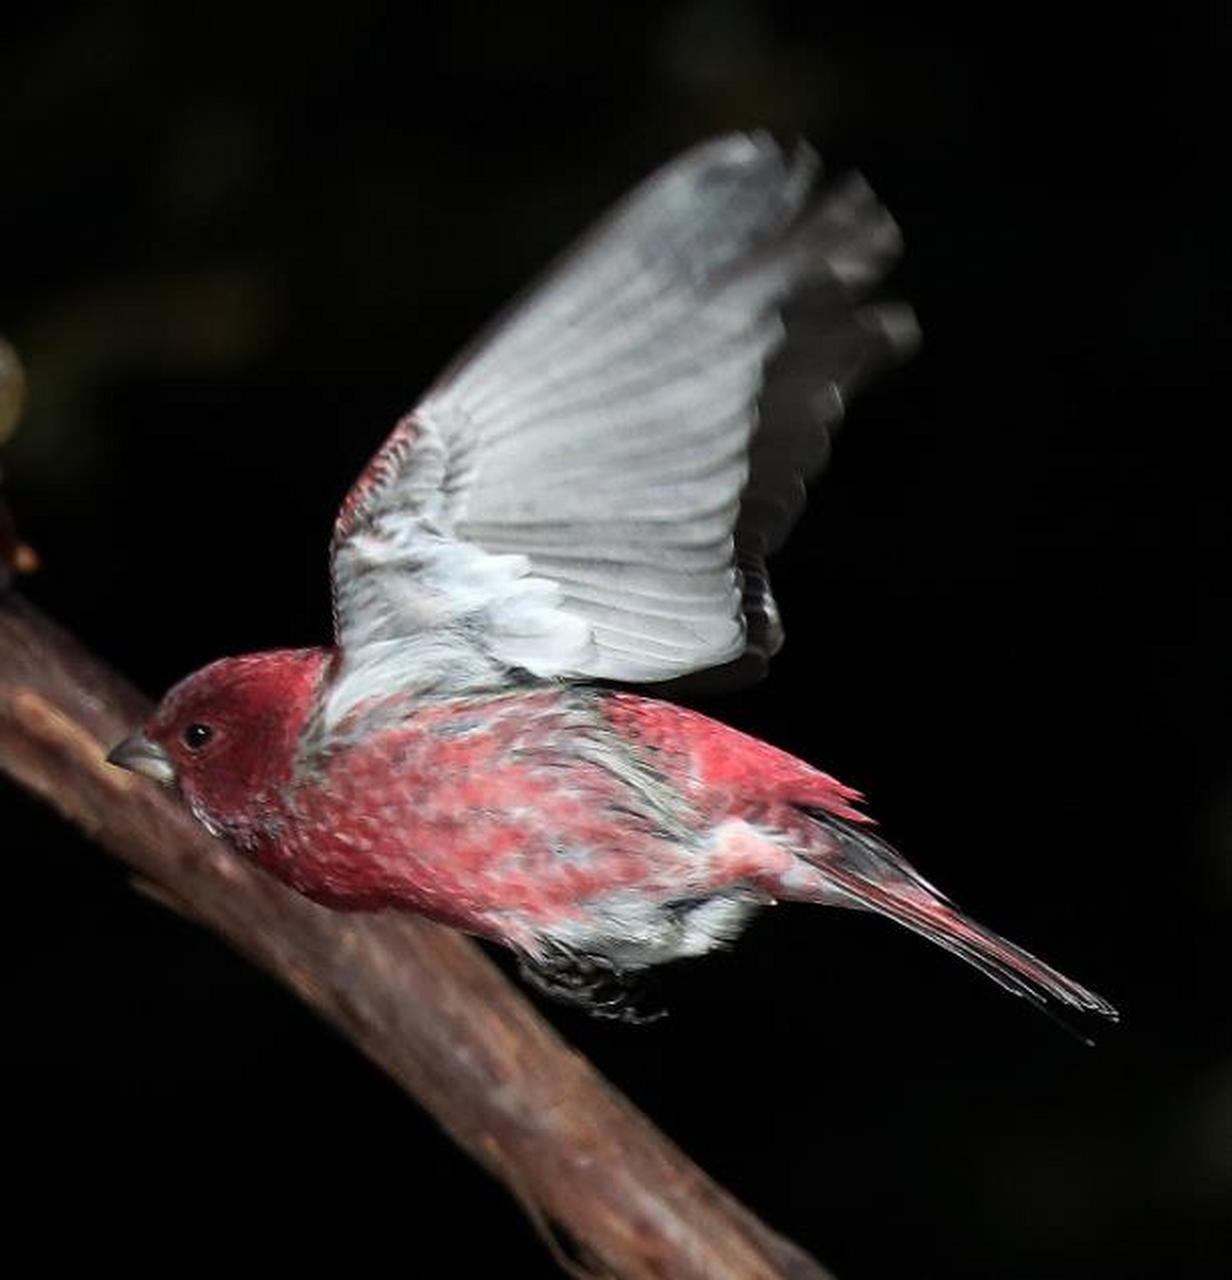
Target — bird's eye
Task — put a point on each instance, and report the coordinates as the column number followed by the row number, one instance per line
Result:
column 197, row 735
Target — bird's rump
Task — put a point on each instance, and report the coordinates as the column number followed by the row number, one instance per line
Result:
column 837, row 859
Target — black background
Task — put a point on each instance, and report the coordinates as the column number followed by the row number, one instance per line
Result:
column 235, row 248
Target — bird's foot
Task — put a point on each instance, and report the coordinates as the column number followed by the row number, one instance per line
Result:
column 590, row 983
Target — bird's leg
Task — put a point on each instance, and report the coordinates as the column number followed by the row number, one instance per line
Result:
column 588, row 982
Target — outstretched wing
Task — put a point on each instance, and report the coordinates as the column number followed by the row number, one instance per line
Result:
column 582, row 495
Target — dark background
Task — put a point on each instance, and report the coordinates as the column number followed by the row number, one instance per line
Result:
column 237, row 246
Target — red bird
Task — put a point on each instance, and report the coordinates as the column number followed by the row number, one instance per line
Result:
column 588, row 495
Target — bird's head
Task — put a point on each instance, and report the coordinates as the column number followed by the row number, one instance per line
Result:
column 227, row 733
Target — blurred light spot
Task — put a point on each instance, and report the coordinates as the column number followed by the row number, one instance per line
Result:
column 12, row 390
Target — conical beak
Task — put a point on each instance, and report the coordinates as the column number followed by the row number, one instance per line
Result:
column 139, row 755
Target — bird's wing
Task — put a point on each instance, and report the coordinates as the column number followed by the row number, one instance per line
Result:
column 582, row 494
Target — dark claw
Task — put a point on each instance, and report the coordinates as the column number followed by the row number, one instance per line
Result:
column 589, row 983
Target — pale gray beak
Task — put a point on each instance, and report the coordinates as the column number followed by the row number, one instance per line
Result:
column 139, row 755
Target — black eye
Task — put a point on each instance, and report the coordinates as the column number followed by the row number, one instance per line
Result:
column 197, row 735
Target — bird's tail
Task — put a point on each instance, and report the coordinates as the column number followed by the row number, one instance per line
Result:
column 864, row 871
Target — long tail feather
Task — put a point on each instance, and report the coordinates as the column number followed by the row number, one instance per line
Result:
column 874, row 876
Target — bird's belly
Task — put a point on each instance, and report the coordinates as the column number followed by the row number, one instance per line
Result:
column 489, row 873
column 631, row 930
column 562, row 873
column 517, row 823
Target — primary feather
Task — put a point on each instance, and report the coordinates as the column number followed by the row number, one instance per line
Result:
column 578, row 497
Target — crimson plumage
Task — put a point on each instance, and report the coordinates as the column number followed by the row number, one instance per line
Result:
column 589, row 495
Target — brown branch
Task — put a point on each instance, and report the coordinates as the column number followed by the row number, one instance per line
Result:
column 421, row 1001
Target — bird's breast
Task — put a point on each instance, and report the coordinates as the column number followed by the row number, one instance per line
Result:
column 512, row 803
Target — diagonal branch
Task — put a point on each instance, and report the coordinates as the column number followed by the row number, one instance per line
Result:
column 421, row 1001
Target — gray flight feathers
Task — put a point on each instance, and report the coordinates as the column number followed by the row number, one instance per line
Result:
column 592, row 490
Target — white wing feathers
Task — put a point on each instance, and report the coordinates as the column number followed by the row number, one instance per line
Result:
column 568, row 498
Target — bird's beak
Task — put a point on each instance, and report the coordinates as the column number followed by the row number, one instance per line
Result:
column 139, row 755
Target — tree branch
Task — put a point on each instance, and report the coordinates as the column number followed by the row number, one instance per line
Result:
column 421, row 1001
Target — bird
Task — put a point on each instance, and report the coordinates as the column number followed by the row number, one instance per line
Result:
column 569, row 530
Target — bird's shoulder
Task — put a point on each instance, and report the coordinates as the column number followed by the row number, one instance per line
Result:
column 403, row 728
